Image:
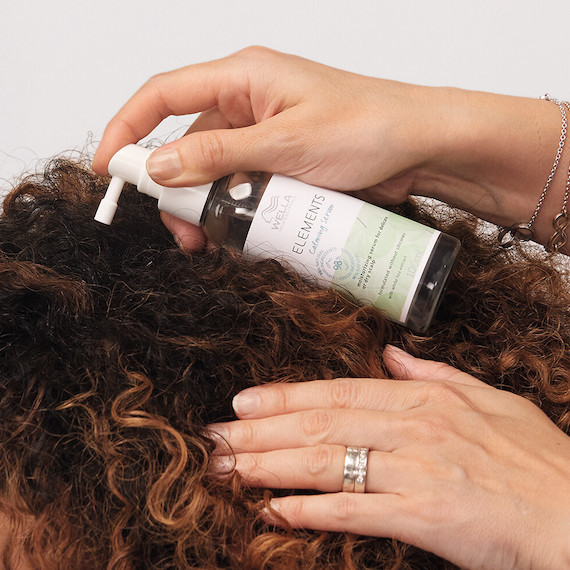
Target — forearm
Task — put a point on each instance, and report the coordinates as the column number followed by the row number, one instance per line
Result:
column 494, row 157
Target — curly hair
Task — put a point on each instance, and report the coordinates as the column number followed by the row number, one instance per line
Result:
column 117, row 350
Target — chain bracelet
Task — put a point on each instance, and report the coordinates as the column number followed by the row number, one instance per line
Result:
column 560, row 222
column 522, row 231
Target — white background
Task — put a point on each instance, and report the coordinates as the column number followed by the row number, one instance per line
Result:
column 68, row 65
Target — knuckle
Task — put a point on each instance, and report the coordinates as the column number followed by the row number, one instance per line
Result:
column 211, row 150
column 444, row 393
column 252, row 469
column 515, row 400
column 154, row 87
column 155, row 80
column 281, row 399
column 127, row 127
column 316, row 425
column 318, row 460
column 436, row 472
column 454, row 473
column 253, row 52
column 342, row 393
column 432, row 426
column 247, row 436
column 296, row 511
column 343, row 508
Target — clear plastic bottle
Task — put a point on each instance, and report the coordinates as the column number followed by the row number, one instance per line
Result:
column 369, row 254
column 229, row 215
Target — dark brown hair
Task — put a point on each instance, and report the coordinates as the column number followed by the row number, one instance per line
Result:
column 117, row 349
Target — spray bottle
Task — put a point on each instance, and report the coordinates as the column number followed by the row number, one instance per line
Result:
column 369, row 254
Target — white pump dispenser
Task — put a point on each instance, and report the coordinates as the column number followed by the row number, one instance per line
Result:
column 129, row 165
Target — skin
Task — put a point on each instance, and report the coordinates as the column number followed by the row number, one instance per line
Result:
column 478, row 476
column 263, row 110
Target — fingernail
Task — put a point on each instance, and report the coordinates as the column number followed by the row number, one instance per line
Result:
column 271, row 516
column 246, row 402
column 395, row 350
column 398, row 354
column 164, row 164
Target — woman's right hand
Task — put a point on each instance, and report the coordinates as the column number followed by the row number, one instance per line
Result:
column 264, row 110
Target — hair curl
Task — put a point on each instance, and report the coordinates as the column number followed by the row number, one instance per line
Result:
column 117, row 349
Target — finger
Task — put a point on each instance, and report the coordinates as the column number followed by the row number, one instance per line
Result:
column 204, row 156
column 387, row 515
column 191, row 89
column 382, row 515
column 188, row 236
column 311, row 428
column 342, row 393
column 404, row 366
column 319, row 468
column 209, row 120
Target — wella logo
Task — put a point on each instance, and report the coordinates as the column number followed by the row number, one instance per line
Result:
column 275, row 213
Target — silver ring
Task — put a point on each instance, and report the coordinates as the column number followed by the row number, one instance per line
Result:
column 355, row 468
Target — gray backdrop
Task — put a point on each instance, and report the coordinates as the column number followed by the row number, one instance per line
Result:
column 68, row 65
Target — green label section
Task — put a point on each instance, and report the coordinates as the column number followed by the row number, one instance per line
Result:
column 382, row 260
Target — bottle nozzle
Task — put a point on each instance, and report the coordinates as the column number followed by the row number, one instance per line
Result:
column 129, row 165
column 108, row 205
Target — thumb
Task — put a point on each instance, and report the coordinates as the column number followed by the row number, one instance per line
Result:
column 404, row 366
column 204, row 156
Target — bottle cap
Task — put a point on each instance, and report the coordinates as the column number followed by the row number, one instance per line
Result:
column 129, row 165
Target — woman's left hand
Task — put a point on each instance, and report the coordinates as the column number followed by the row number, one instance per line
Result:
column 478, row 476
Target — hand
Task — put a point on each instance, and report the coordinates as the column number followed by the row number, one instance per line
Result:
column 478, row 476
column 263, row 110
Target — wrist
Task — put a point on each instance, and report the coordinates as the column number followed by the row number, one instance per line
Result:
column 495, row 156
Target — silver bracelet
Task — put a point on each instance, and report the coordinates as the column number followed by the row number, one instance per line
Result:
column 524, row 232
column 560, row 221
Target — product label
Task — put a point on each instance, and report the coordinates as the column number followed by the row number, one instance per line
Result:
column 371, row 254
